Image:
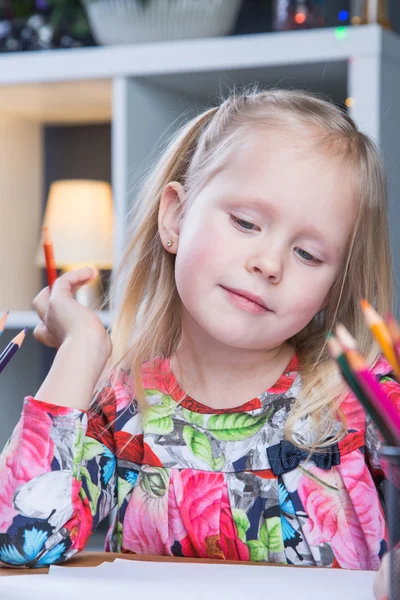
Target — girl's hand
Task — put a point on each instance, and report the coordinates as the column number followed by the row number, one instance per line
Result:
column 381, row 583
column 62, row 317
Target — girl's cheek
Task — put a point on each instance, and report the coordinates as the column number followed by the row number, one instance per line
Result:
column 201, row 247
column 196, row 254
column 192, row 261
column 304, row 296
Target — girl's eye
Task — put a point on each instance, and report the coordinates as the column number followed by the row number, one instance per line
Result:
column 308, row 257
column 242, row 224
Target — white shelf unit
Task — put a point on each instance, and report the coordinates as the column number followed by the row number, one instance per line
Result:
column 142, row 90
column 19, row 319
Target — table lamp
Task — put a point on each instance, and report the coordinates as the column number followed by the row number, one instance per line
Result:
column 79, row 217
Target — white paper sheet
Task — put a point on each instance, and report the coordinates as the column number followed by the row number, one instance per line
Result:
column 194, row 581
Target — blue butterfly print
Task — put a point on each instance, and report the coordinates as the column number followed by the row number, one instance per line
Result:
column 29, row 545
column 291, row 537
column 108, row 467
column 287, row 509
column 131, row 477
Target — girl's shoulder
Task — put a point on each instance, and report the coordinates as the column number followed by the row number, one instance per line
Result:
column 122, row 386
column 120, row 389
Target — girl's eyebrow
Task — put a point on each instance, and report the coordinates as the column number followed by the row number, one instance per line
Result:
column 257, row 203
column 318, row 235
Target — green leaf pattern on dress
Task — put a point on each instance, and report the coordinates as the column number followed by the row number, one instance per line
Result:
column 157, row 418
column 235, row 427
column 200, row 446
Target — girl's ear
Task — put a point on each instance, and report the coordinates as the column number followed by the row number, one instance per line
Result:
column 169, row 215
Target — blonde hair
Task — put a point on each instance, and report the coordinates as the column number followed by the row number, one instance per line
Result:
column 148, row 324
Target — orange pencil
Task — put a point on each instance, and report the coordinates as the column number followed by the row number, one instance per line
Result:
column 382, row 335
column 49, row 256
column 394, row 330
column 3, row 321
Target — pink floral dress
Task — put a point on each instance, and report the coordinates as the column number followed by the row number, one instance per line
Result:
column 188, row 480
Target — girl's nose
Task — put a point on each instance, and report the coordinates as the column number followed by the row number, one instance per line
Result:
column 270, row 266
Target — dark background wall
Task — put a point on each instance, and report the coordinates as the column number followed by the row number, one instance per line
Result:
column 75, row 152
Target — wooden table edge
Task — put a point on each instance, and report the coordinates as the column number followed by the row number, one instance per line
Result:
column 93, row 559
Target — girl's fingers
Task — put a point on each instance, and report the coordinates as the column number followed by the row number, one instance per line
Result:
column 41, row 302
column 64, row 287
column 41, row 334
column 69, row 283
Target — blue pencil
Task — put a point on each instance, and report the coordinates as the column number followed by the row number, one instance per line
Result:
column 11, row 349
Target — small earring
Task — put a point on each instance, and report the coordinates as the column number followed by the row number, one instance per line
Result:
column 169, row 243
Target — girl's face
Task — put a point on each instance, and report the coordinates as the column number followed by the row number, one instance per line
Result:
column 261, row 245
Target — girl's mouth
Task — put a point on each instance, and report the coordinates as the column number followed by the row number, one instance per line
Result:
column 246, row 301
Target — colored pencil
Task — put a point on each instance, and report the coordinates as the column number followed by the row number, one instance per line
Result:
column 337, row 352
column 11, row 349
column 382, row 335
column 3, row 321
column 375, row 393
column 345, row 338
column 351, row 351
column 394, row 330
column 49, row 257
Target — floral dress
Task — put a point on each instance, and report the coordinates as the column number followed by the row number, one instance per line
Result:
column 189, row 480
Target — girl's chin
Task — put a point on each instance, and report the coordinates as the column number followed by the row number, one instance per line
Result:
column 238, row 339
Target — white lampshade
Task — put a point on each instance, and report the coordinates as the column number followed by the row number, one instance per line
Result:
column 79, row 217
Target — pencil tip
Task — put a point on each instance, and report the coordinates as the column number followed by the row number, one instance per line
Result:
column 345, row 337
column 335, row 348
column 46, row 235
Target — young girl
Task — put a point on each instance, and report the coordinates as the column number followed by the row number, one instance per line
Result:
column 223, row 429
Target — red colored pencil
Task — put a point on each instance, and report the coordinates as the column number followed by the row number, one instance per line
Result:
column 49, row 257
column 11, row 349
